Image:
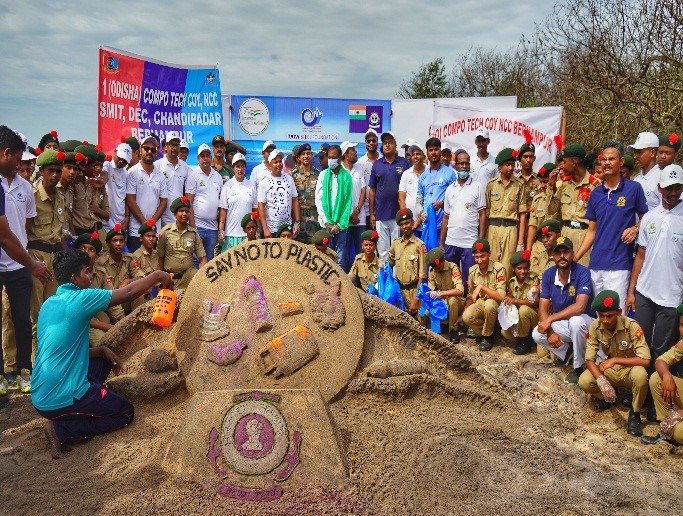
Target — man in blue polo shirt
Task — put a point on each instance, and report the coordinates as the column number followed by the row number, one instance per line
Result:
column 612, row 228
column 384, row 182
column 431, row 187
column 564, row 311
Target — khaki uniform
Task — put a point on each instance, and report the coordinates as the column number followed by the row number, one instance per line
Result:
column 407, row 257
column 573, row 198
column 68, row 194
column 146, row 262
column 528, row 317
column 482, row 315
column 447, row 279
column 84, row 221
column 543, row 206
column 503, row 206
column 626, row 341
column 671, row 357
column 176, row 249
column 305, row 187
column 531, row 185
column 540, row 259
column 108, row 274
column 365, row 272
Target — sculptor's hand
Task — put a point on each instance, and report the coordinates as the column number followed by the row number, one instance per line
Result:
column 113, row 359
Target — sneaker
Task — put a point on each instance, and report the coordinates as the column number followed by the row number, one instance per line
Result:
column 24, row 381
column 4, row 386
column 573, row 377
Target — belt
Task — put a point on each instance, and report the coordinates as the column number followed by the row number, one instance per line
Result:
column 575, row 224
column 42, row 246
column 408, row 286
column 176, row 275
column 502, row 222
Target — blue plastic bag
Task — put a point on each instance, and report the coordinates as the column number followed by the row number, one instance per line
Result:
column 429, row 234
column 437, row 308
column 389, row 289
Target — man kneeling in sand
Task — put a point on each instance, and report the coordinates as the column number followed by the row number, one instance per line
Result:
column 68, row 374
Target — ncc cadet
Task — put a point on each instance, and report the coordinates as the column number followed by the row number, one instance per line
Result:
column 45, row 236
column 365, row 267
column 669, row 145
column 445, row 282
column 544, row 205
column 115, row 266
column 145, row 257
column 178, row 243
column 49, row 141
column 285, row 231
column 542, row 250
column 616, row 356
column 321, row 240
column 506, row 209
column 527, row 156
column 249, row 224
column 522, row 291
column 407, row 257
column 487, row 287
column 90, row 202
column 70, row 173
column 573, row 193
column 305, row 177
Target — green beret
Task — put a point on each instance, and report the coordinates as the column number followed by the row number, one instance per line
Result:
column 552, row 225
column 74, row 158
column 32, row 150
column 481, row 245
column 92, row 239
column 70, row 145
column 116, row 230
column 50, row 137
column 526, row 148
column 282, row 229
column 180, row 202
column 679, row 310
column 295, row 150
column 563, row 242
column 435, row 257
column 248, row 218
column 670, row 140
column 230, row 148
column 574, row 151
column 51, row 157
column 101, row 157
column 505, row 155
column 369, row 235
column 605, row 301
column 148, row 226
column 629, row 162
column 519, row 257
column 546, row 169
column 321, row 237
column 404, row 214
column 133, row 142
column 89, row 152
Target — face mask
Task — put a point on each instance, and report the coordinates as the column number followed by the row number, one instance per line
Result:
column 332, row 163
column 463, row 174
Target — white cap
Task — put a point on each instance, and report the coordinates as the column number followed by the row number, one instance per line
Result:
column 274, row 153
column 645, row 140
column 238, row 156
column 371, row 131
column 444, row 145
column 483, row 132
column 184, row 145
column 172, row 135
column 416, row 146
column 266, row 144
column 203, row 147
column 346, row 146
column 124, row 151
column 671, row 175
column 26, row 155
column 409, row 142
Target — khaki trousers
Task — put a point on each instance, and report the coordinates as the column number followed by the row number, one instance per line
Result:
column 40, row 293
column 528, row 319
column 481, row 316
column 577, row 236
column 503, row 241
column 634, row 378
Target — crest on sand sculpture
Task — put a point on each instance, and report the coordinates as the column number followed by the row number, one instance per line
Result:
column 253, row 441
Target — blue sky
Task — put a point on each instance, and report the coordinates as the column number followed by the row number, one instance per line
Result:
column 327, row 48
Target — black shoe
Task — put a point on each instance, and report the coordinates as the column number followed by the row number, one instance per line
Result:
column 646, row 439
column 651, row 414
column 573, row 377
column 486, row 344
column 4, row 401
column 603, row 405
column 627, row 400
column 454, row 337
column 634, row 426
column 478, row 339
column 523, row 347
column 567, row 357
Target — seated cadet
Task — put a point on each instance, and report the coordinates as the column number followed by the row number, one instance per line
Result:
column 523, row 289
column 667, row 392
column 616, row 356
column 320, row 240
column 542, row 250
column 146, row 257
column 407, row 257
column 486, row 284
column 285, row 231
column 445, row 282
column 92, row 246
column 178, row 243
column 250, row 225
column 114, row 267
column 365, row 266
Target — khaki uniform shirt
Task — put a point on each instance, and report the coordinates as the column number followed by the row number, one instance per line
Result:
column 543, row 206
column 83, row 196
column 573, row 197
column 495, row 278
column 108, row 275
column 366, row 272
column 674, row 355
column 627, row 340
column 505, row 202
column 447, row 279
column 47, row 225
column 517, row 291
column 531, row 185
column 540, row 259
column 146, row 262
column 68, row 194
column 408, row 260
column 177, row 248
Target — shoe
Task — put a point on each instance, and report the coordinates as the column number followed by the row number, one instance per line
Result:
column 4, row 386
column 11, row 379
column 567, row 357
column 603, row 405
column 486, row 344
column 523, row 347
column 573, row 377
column 454, row 337
column 4, row 401
column 656, row 438
column 651, row 415
column 634, row 426
column 471, row 334
column 627, row 400
column 24, row 381
column 478, row 339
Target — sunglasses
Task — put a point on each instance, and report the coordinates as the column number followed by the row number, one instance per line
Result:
column 149, row 149
column 371, row 140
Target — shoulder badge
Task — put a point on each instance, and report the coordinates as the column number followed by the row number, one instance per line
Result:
column 594, row 180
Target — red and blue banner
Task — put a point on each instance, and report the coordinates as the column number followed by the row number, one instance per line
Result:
column 138, row 96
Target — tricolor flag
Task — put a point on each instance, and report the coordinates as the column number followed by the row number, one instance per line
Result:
column 357, row 113
column 362, row 118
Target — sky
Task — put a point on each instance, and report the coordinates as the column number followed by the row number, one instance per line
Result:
column 49, row 49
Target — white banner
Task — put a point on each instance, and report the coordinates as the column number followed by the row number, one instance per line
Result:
column 457, row 126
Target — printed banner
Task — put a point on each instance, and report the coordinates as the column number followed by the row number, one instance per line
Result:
column 457, row 126
column 138, row 96
column 289, row 121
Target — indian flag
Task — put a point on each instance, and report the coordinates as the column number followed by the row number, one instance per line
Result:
column 357, row 113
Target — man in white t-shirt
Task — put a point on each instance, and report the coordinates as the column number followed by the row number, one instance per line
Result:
column 483, row 164
column 262, row 170
column 645, row 155
column 365, row 162
column 407, row 188
column 203, row 190
column 278, row 201
column 116, row 187
column 175, row 171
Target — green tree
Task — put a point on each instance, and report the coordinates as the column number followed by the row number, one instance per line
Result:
column 429, row 82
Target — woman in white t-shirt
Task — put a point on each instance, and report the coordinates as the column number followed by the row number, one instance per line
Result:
column 238, row 197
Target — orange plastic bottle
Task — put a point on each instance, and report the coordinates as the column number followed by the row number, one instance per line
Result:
column 164, row 307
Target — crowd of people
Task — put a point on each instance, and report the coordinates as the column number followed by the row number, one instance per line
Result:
column 580, row 259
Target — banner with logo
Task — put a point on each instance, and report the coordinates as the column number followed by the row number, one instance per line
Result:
column 289, row 121
column 457, row 125
column 138, row 96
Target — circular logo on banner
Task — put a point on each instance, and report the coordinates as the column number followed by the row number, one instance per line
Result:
column 253, row 116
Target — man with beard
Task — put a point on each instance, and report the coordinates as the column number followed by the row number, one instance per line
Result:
column 305, row 177
column 483, row 164
column 645, row 154
column 432, row 185
column 365, row 162
column 175, row 171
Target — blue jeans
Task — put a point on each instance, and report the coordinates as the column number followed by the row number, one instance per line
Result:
column 340, row 243
column 133, row 243
column 355, row 233
column 463, row 258
column 209, row 238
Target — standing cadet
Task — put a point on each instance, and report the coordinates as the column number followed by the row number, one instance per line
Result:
column 146, row 257
column 407, row 256
column 616, row 356
column 365, row 267
column 91, row 203
column 486, row 283
column 542, row 250
column 506, row 209
column 178, row 243
column 70, row 173
column 305, row 177
column 523, row 289
column 445, row 282
column 543, row 205
column 527, row 156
